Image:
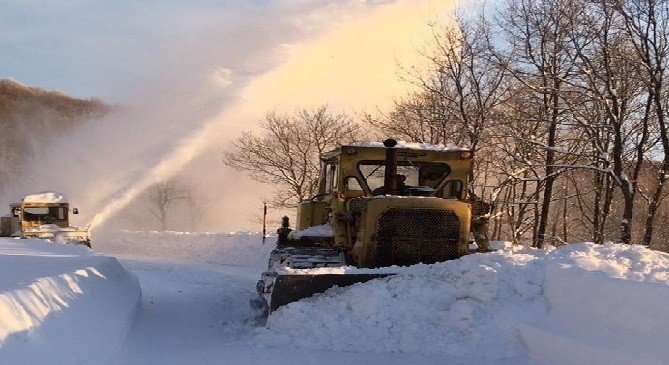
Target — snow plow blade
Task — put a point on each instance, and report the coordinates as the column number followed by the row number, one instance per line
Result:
column 70, row 235
column 291, row 288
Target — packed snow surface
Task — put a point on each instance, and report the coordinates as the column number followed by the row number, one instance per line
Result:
column 324, row 230
column 195, row 307
column 47, row 197
column 62, row 304
column 239, row 249
column 601, row 303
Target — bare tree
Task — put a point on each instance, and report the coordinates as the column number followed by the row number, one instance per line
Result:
column 459, row 94
column 539, row 56
column 647, row 24
column 287, row 151
column 195, row 209
column 161, row 196
column 609, row 82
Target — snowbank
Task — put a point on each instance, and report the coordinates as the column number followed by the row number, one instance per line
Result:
column 62, row 304
column 608, row 305
column 46, row 197
column 230, row 249
column 578, row 304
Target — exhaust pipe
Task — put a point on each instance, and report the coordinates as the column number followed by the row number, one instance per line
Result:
column 390, row 177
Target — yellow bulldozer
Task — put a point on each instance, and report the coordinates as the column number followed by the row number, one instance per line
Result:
column 44, row 215
column 377, row 205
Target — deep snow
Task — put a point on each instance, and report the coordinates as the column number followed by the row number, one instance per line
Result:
column 581, row 303
column 603, row 304
column 195, row 305
column 62, row 304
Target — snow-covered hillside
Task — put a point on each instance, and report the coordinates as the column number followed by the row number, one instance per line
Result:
column 62, row 304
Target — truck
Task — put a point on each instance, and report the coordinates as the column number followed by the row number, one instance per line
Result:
column 378, row 205
column 44, row 215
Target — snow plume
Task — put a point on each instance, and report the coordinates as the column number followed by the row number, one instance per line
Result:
column 281, row 57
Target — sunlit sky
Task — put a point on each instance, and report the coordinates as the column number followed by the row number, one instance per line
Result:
column 194, row 74
column 112, row 49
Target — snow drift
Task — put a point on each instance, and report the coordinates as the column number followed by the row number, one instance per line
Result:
column 62, row 304
column 581, row 303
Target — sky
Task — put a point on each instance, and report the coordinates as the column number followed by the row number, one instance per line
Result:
column 113, row 49
column 191, row 75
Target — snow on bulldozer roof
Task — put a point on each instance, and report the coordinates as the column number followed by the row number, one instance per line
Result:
column 411, row 145
column 46, row 197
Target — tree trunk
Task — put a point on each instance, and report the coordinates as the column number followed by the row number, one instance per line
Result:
column 163, row 221
column 606, row 209
column 550, row 169
column 654, row 205
column 597, row 235
column 626, row 223
column 565, row 213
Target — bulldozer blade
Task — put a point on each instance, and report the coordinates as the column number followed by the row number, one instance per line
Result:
column 291, row 288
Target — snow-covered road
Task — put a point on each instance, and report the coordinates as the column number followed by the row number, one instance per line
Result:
column 194, row 313
column 189, row 311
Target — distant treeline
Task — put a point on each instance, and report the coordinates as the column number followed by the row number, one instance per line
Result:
column 30, row 116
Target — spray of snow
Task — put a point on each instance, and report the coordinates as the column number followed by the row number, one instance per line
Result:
column 352, row 67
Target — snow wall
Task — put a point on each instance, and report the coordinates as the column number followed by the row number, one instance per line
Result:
column 62, row 304
column 607, row 306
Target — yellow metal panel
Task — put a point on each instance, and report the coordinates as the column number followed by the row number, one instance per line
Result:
column 311, row 213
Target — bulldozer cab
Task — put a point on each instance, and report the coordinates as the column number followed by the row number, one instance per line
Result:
column 371, row 192
column 360, row 170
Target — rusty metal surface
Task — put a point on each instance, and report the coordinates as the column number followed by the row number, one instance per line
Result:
column 291, row 288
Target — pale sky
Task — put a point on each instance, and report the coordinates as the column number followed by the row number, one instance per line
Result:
column 193, row 75
column 110, row 49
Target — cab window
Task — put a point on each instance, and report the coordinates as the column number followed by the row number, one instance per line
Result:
column 330, row 177
column 353, row 188
column 453, row 190
column 414, row 178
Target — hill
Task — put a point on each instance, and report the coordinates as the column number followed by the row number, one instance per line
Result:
column 21, row 103
column 30, row 115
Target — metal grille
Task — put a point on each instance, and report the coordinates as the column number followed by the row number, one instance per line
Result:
column 411, row 236
column 357, row 205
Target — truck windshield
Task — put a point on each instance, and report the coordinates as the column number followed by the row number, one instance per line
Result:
column 416, row 178
column 46, row 215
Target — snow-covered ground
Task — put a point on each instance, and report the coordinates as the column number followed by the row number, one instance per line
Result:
column 62, row 304
column 195, row 307
column 222, row 249
column 601, row 304
column 578, row 304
